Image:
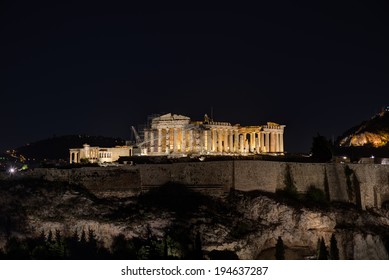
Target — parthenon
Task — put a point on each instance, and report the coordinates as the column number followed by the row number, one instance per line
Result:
column 172, row 134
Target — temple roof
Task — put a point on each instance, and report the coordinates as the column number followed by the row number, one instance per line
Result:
column 171, row 117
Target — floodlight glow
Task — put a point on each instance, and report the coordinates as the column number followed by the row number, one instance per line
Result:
column 12, row 170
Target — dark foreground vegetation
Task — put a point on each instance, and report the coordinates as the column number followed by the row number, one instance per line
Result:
column 86, row 246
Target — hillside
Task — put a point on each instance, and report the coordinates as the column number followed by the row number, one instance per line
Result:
column 370, row 138
column 58, row 147
column 371, row 133
column 172, row 222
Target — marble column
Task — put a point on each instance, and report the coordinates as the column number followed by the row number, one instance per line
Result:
column 252, row 141
column 175, row 140
column 236, row 141
column 202, row 141
column 190, row 141
column 272, row 142
column 262, row 141
column 257, row 145
column 183, row 140
column 241, row 143
column 205, row 132
column 197, row 141
column 246, row 143
column 151, row 141
column 209, row 140
column 146, row 144
column 159, row 140
column 267, row 140
column 225, row 142
column 231, row 142
column 167, row 137
column 281, row 142
column 219, row 140
column 214, row 140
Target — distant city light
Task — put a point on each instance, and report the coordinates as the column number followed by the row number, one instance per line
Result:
column 11, row 170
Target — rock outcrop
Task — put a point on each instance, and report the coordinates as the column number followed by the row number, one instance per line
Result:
column 373, row 133
column 247, row 224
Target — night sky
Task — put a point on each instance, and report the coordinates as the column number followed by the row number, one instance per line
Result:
column 97, row 70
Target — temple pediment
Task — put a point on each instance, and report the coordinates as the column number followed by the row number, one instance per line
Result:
column 171, row 117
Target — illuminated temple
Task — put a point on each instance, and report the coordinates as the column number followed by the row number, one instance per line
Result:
column 172, row 134
column 177, row 136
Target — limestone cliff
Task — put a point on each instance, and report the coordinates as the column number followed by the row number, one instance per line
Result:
column 247, row 224
column 373, row 133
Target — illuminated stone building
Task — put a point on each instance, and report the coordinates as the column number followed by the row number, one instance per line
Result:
column 98, row 154
column 172, row 134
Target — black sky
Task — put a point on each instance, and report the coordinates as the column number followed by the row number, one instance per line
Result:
column 96, row 70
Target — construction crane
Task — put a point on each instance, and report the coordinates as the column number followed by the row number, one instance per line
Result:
column 138, row 140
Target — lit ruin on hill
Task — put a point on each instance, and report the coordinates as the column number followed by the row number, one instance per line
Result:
column 177, row 135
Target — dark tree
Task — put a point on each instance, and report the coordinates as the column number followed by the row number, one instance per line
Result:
column 198, row 251
column 83, row 238
column 316, row 197
column 290, row 188
column 334, row 251
column 16, row 249
column 2, row 255
column 122, row 249
column 323, row 253
column 223, row 255
column 280, row 249
column 72, row 245
column 58, row 238
column 92, row 241
column 41, row 239
column 165, row 247
column 322, row 149
column 50, row 237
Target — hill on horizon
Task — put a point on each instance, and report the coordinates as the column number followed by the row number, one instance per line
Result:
column 57, row 147
column 371, row 133
column 369, row 138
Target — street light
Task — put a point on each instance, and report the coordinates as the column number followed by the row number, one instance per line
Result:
column 12, row 170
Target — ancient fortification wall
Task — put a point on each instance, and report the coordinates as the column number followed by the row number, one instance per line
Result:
column 108, row 181
column 366, row 185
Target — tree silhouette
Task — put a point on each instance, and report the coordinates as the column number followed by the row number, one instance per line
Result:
column 50, row 237
column 289, row 189
column 122, row 249
column 323, row 253
column 58, row 238
column 16, row 249
column 198, row 251
column 334, row 251
column 280, row 249
column 322, row 149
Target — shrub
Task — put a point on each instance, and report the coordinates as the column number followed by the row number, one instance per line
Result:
column 317, row 196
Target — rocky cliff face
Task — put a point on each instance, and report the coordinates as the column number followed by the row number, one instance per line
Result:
column 374, row 133
column 247, row 224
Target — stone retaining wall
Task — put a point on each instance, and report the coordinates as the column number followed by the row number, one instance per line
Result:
column 367, row 185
